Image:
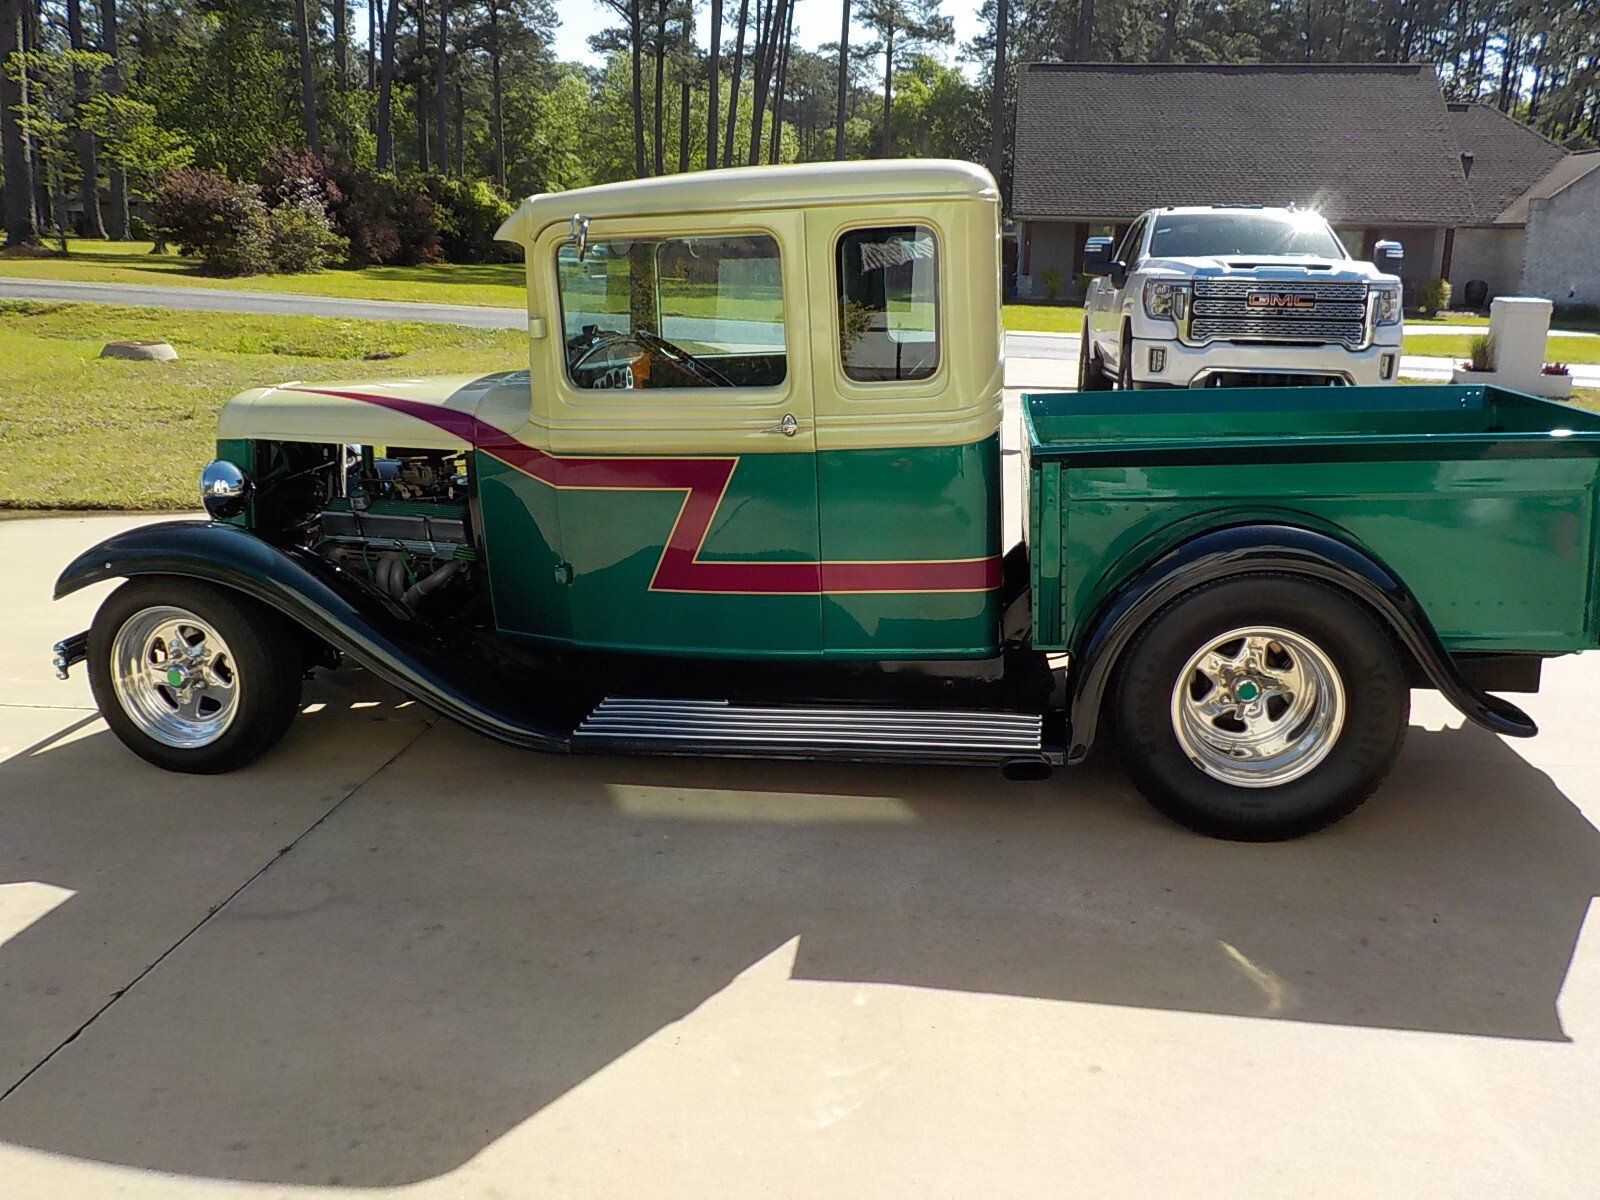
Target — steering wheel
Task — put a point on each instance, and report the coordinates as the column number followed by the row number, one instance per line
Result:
column 693, row 363
column 601, row 341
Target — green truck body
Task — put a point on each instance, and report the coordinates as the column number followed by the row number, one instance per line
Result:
column 1482, row 500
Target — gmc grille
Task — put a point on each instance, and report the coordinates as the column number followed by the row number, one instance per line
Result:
column 1221, row 311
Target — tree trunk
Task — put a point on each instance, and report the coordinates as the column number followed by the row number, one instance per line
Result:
column 776, row 144
column 372, row 45
column 888, row 85
column 388, row 20
column 844, row 84
column 660, row 55
column 22, row 223
column 441, row 91
column 766, row 60
column 733, row 87
column 683, row 123
column 636, row 53
column 1085, row 30
column 308, row 79
column 424, row 102
column 997, row 94
column 497, row 94
column 341, row 44
column 117, row 219
column 714, row 94
column 88, row 154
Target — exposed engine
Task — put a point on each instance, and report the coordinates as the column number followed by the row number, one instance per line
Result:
column 400, row 521
column 404, row 524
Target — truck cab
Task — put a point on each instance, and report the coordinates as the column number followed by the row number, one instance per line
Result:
column 1225, row 295
column 746, row 500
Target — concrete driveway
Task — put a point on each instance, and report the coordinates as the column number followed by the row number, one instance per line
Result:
column 396, row 958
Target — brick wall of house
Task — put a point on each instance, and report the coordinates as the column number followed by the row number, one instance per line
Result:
column 1560, row 260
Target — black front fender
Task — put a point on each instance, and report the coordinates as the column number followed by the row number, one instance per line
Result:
column 1287, row 549
column 305, row 589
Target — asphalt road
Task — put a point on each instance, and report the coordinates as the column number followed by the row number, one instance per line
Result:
column 393, row 958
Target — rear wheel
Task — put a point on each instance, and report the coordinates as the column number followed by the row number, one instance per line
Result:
column 192, row 677
column 1260, row 708
column 1091, row 373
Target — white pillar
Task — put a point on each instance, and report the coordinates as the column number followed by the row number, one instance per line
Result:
column 1519, row 326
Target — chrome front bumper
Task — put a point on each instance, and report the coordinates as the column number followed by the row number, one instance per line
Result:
column 69, row 652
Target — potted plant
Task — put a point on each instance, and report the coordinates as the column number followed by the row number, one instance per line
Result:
column 1556, row 380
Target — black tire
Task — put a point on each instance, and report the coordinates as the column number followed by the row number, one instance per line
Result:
column 1125, row 379
column 1376, row 706
column 1091, row 374
column 264, row 660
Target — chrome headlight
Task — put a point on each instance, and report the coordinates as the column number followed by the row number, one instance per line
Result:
column 1166, row 300
column 1386, row 305
column 224, row 489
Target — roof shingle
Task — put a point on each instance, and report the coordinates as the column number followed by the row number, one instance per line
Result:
column 1508, row 158
column 1365, row 144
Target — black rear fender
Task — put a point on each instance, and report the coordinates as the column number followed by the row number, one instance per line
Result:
column 1281, row 549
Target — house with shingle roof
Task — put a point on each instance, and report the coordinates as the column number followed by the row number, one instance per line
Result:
column 1374, row 147
column 1525, row 191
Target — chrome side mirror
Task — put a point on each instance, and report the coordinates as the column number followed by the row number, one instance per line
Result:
column 578, row 234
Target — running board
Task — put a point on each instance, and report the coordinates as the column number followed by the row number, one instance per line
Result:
column 716, row 727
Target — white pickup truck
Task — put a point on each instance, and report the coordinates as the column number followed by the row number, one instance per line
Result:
column 1237, row 295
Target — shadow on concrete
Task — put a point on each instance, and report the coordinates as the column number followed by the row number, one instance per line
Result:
column 478, row 930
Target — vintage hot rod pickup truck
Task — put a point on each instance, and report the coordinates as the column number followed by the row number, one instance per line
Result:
column 746, row 500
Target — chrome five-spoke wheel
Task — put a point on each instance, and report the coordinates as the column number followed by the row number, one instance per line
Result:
column 1258, row 707
column 175, row 677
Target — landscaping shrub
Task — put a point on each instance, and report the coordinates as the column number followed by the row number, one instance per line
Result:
column 1051, row 278
column 223, row 223
column 246, row 249
column 1577, row 314
column 387, row 219
column 292, row 175
column 192, row 207
column 301, row 239
column 140, row 230
column 469, row 212
column 1433, row 296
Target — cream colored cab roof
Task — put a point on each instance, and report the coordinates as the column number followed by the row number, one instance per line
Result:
column 800, row 185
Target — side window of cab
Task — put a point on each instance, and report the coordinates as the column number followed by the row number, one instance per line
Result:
column 888, row 298
column 673, row 312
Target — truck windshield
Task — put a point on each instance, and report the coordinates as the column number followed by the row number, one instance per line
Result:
column 1225, row 234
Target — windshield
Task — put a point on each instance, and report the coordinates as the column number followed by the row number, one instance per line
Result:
column 1223, row 234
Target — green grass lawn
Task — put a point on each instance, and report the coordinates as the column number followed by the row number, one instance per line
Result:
column 80, row 431
column 496, row 285
column 1454, row 345
column 1042, row 318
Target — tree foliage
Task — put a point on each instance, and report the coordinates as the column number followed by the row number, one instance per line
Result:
column 435, row 106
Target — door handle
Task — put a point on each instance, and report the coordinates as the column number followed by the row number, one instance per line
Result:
column 788, row 426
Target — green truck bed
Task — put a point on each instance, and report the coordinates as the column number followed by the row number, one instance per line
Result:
column 1483, row 501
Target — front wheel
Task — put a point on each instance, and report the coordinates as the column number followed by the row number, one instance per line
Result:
column 1091, row 374
column 192, row 677
column 1260, row 708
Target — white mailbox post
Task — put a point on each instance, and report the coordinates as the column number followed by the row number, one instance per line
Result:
column 1519, row 327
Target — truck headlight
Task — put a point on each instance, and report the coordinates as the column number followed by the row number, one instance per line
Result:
column 1166, row 300
column 1386, row 306
column 224, row 489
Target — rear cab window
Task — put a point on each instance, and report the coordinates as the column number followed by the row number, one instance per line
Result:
column 673, row 312
column 888, row 297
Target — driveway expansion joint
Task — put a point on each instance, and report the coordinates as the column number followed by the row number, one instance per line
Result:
column 211, row 911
